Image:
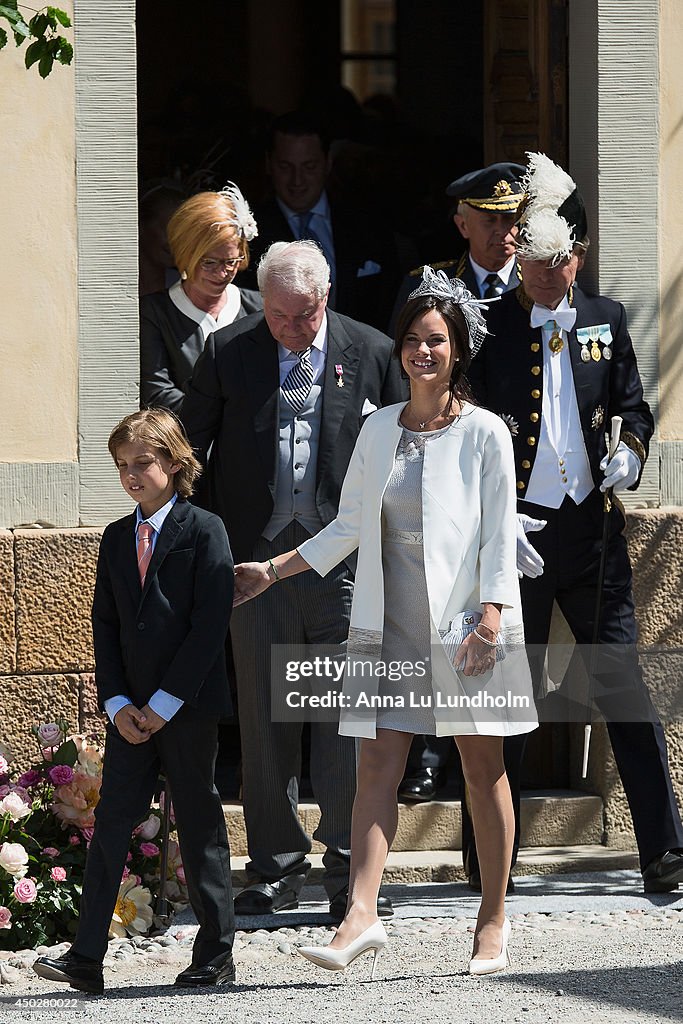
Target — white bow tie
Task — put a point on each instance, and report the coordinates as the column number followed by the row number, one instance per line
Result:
column 564, row 318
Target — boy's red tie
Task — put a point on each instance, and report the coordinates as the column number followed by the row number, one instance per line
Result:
column 145, row 532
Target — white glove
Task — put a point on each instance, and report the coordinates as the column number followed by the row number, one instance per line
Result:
column 622, row 470
column 529, row 562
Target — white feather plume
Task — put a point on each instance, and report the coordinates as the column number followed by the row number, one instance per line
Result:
column 546, row 237
column 546, row 184
column 244, row 219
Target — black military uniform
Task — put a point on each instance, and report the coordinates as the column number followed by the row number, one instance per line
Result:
column 507, row 377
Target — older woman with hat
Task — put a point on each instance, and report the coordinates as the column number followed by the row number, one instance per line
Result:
column 209, row 238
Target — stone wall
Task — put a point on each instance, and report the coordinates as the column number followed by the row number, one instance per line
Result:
column 46, row 659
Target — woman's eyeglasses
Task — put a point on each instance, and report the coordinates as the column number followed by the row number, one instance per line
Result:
column 232, row 264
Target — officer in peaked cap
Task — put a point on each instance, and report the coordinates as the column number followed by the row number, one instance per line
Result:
column 557, row 365
column 486, row 203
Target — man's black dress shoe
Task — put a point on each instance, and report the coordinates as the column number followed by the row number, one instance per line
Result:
column 422, row 785
column 266, row 898
column 338, row 906
column 664, row 872
column 474, row 882
column 85, row 975
column 220, row 971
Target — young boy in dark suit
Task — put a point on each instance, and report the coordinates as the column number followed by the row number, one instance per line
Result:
column 160, row 615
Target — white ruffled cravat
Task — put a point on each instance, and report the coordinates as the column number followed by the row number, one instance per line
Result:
column 564, row 318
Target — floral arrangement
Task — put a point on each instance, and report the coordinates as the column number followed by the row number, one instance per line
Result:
column 46, row 824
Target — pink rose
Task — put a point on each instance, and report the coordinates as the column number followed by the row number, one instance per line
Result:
column 61, row 775
column 15, row 806
column 5, row 917
column 25, row 891
column 129, row 857
column 74, row 840
column 149, row 828
column 4, row 767
column 50, row 851
column 58, row 874
column 29, row 779
column 126, row 873
column 49, row 734
column 149, row 849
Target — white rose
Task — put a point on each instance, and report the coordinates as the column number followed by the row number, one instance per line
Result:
column 149, row 828
column 13, row 805
column 14, row 859
column 49, row 734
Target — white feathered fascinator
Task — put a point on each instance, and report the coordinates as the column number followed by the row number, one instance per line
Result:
column 438, row 283
column 553, row 217
column 244, row 218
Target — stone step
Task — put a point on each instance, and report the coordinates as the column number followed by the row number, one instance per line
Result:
column 550, row 818
column 446, row 865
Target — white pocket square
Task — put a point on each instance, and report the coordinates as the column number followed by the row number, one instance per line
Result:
column 368, row 269
column 368, row 407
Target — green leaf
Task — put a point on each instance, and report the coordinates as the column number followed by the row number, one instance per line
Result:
column 61, row 16
column 35, row 52
column 38, row 24
column 66, row 51
column 68, row 752
column 8, row 10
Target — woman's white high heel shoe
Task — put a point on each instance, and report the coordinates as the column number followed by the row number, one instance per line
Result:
column 373, row 938
column 500, row 962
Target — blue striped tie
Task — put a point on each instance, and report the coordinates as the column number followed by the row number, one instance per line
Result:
column 298, row 382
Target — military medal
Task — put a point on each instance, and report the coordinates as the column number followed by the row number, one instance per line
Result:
column 606, row 342
column 339, row 374
column 598, row 418
column 595, row 351
column 556, row 342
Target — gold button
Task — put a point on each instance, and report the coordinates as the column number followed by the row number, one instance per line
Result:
column 526, row 464
column 564, row 479
column 535, row 393
column 531, row 441
column 534, row 417
column 535, row 346
column 520, row 485
column 562, row 462
column 535, row 370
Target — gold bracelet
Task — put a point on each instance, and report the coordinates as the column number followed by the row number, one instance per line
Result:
column 275, row 572
column 482, row 625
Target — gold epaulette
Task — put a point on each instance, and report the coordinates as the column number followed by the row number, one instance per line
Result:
column 435, row 266
column 523, row 299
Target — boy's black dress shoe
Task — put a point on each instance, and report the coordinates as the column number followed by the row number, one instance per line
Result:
column 664, row 872
column 422, row 785
column 220, row 971
column 338, row 906
column 85, row 975
column 266, row 898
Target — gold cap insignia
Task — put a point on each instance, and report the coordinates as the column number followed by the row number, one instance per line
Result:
column 502, row 188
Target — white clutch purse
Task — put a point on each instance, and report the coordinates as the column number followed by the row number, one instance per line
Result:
column 460, row 627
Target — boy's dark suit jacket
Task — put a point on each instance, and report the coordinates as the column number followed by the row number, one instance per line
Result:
column 171, row 634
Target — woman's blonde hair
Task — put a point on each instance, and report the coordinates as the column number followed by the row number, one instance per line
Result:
column 163, row 431
column 200, row 224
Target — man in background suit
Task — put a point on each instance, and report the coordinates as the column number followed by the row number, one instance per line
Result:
column 281, row 396
column 486, row 211
column 557, row 365
column 360, row 251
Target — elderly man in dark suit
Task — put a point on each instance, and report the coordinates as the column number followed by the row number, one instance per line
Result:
column 557, row 365
column 359, row 249
column 281, row 396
